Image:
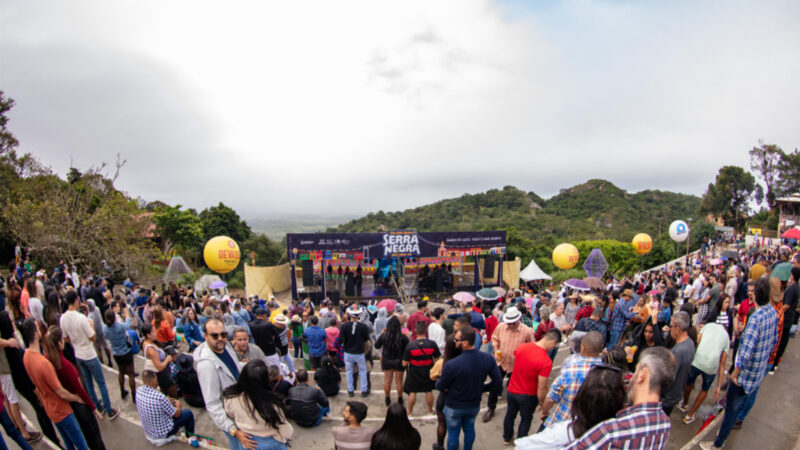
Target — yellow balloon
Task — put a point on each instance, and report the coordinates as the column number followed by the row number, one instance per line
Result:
column 221, row 254
column 565, row 256
column 642, row 243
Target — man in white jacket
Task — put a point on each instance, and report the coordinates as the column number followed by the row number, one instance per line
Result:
column 217, row 368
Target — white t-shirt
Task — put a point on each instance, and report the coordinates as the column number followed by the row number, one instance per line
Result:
column 437, row 334
column 77, row 327
column 35, row 305
column 714, row 340
column 697, row 287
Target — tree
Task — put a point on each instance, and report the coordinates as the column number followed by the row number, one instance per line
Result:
column 181, row 230
column 789, row 167
column 268, row 252
column 765, row 161
column 729, row 196
column 221, row 220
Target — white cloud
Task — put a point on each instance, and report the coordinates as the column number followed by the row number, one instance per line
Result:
column 343, row 107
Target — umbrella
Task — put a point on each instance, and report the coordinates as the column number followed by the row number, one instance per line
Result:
column 786, row 248
column 465, row 297
column 594, row 282
column 782, row 271
column 488, row 294
column 387, row 303
column 219, row 284
column 577, row 284
column 715, row 261
column 791, row 233
column 730, row 254
column 500, row 291
column 757, row 271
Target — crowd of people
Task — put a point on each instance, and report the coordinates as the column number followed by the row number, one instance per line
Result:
column 636, row 349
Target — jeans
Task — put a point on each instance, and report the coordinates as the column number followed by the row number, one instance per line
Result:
column 735, row 400
column 458, row 419
column 71, row 433
column 185, row 419
column 747, row 405
column 91, row 369
column 525, row 405
column 89, row 427
column 297, row 347
column 12, row 432
column 614, row 338
column 287, row 358
column 493, row 395
column 323, row 411
column 262, row 443
column 350, row 361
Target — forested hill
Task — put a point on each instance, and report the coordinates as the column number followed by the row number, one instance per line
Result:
column 596, row 209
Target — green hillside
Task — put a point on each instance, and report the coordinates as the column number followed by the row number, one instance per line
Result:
column 593, row 210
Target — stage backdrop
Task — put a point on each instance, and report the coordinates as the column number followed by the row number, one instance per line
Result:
column 263, row 281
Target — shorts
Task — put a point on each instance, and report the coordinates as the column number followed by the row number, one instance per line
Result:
column 316, row 361
column 392, row 364
column 123, row 360
column 416, row 383
column 165, row 380
column 708, row 380
column 9, row 389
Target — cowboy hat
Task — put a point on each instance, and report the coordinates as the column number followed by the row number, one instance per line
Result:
column 512, row 315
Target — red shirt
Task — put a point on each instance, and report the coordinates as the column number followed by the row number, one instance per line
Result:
column 491, row 324
column 530, row 363
column 413, row 319
column 586, row 311
column 543, row 328
column 744, row 307
column 68, row 376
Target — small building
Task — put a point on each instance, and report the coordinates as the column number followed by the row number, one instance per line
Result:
column 788, row 211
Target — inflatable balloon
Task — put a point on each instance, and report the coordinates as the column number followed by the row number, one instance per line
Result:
column 678, row 231
column 642, row 243
column 565, row 256
column 221, row 254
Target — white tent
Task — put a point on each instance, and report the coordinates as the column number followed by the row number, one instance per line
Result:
column 203, row 282
column 176, row 269
column 532, row 273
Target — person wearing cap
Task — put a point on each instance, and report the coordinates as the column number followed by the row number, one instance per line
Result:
column 353, row 335
column 508, row 335
column 284, row 335
column 623, row 313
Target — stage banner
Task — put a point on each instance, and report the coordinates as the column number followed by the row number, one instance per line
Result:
column 399, row 244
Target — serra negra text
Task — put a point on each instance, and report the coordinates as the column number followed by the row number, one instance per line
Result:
column 400, row 243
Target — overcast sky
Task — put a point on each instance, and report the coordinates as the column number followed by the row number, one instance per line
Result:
column 338, row 107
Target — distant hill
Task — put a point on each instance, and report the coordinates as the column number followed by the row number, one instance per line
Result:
column 596, row 209
column 276, row 229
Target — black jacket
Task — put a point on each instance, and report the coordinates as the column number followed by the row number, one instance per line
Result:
column 304, row 403
column 265, row 336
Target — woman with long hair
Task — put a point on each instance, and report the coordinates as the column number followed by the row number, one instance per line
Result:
column 52, row 308
column 34, row 302
column 397, row 433
column 86, row 413
column 723, row 314
column 450, row 352
column 22, row 382
column 600, row 397
column 158, row 361
column 192, row 332
column 121, row 347
column 645, row 336
column 13, row 295
column 165, row 335
column 255, row 409
column 393, row 342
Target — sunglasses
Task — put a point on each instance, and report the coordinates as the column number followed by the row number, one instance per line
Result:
column 216, row 336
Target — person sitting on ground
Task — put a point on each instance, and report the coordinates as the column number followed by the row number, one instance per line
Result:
column 352, row 436
column 256, row 409
column 328, row 377
column 307, row 405
column 241, row 345
column 188, row 384
column 277, row 384
column 191, row 329
column 158, row 361
column 160, row 416
column 644, row 424
column 165, row 335
column 600, row 397
column 397, row 433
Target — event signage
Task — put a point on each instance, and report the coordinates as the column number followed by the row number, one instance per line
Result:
column 400, row 244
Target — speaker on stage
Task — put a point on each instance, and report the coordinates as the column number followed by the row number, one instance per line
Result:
column 488, row 266
column 308, row 272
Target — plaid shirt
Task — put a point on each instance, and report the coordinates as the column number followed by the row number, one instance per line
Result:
column 757, row 342
column 507, row 340
column 621, row 316
column 566, row 386
column 155, row 412
column 642, row 426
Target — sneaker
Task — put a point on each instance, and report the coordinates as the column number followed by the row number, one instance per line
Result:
column 708, row 445
column 351, row 394
column 505, row 442
column 35, row 436
column 114, row 414
column 681, row 406
column 688, row 419
column 365, row 394
column 774, row 368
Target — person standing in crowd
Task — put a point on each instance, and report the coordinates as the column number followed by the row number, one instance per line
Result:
column 752, row 361
column 396, row 433
column 462, row 381
column 623, row 312
column 528, row 383
column 307, row 405
column 82, row 335
column 419, row 356
column 332, row 340
column 352, row 436
column 392, row 343
column 117, row 335
column 316, row 338
column 420, row 315
column 564, row 388
column 160, row 416
column 52, row 394
column 436, row 332
column 10, row 429
column 791, row 296
column 643, row 425
column 10, row 391
column 256, row 409
column 241, row 346
column 507, row 337
column 710, row 357
column 266, row 337
column 284, row 335
column 354, row 336
column 683, row 349
column 218, row 368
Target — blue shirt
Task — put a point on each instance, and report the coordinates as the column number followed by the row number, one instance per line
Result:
column 117, row 335
column 316, row 340
column 759, row 338
column 225, row 357
column 192, row 333
column 463, row 379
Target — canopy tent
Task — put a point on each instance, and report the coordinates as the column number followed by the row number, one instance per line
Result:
column 176, row 268
column 202, row 284
column 533, row 273
column 264, row 281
